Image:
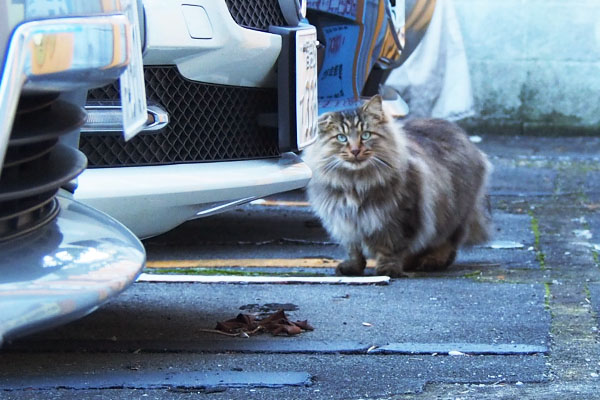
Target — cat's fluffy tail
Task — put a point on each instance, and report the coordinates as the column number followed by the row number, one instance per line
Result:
column 480, row 225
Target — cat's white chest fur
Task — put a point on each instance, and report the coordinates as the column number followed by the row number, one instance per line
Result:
column 347, row 220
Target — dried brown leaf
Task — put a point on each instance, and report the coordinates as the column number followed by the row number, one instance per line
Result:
column 276, row 323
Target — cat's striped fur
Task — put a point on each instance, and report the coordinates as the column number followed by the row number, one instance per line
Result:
column 407, row 195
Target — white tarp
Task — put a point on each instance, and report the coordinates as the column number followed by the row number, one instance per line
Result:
column 435, row 80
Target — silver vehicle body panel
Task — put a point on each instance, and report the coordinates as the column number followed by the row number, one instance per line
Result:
column 154, row 199
column 65, row 270
column 232, row 55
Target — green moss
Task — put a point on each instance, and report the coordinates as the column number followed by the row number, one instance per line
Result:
column 586, row 290
column 596, row 257
column 496, row 118
column 473, row 275
column 541, row 258
column 535, row 227
column 527, row 96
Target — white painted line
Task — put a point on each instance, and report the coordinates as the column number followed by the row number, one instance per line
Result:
column 457, row 349
column 251, row 263
column 503, row 244
column 349, row 280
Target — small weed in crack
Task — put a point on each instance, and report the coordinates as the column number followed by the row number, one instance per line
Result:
column 547, row 295
column 535, row 227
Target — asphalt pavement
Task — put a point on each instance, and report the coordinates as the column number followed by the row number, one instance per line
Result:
column 515, row 318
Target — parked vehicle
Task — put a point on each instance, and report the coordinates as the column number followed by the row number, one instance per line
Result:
column 232, row 92
column 59, row 259
column 362, row 42
column 231, row 87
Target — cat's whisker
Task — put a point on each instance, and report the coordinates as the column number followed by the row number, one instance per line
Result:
column 379, row 162
column 331, row 165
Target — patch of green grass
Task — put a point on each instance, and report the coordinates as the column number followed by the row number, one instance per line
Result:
column 222, row 271
column 473, row 275
column 586, row 166
column 535, row 227
column 541, row 258
column 596, row 257
column 586, row 290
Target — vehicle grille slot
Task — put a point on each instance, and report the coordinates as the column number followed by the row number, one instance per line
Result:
column 256, row 14
column 36, row 165
column 206, row 123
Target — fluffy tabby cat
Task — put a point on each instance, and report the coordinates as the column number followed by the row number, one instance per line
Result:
column 407, row 195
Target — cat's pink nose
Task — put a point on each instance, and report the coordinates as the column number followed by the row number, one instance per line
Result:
column 355, row 152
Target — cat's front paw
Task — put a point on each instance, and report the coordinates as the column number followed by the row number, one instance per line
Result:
column 350, row 268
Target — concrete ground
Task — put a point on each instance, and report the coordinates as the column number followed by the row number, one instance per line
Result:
column 516, row 318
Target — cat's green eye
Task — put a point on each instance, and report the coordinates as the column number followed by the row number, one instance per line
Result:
column 342, row 138
column 365, row 135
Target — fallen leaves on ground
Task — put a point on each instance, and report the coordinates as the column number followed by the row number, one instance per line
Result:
column 277, row 323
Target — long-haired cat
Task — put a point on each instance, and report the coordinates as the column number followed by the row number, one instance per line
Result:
column 407, row 195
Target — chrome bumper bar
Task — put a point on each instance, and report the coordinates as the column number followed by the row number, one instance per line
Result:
column 108, row 118
column 61, row 54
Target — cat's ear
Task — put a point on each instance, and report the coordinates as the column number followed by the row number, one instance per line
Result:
column 326, row 122
column 374, row 109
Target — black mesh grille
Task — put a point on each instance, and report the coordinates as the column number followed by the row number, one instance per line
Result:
column 207, row 123
column 256, row 14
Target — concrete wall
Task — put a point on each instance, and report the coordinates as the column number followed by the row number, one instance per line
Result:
column 535, row 64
